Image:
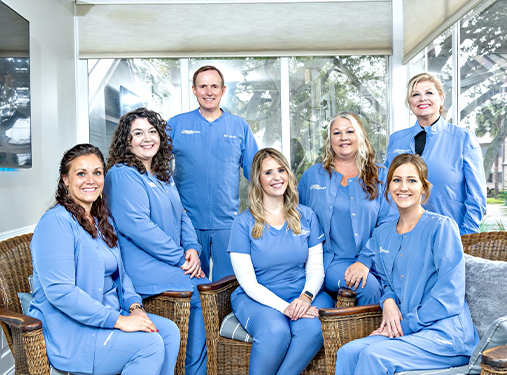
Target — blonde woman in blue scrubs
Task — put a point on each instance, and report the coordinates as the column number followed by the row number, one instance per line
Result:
column 92, row 318
column 345, row 192
column 276, row 253
column 426, row 323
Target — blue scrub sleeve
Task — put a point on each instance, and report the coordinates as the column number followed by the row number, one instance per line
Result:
column 387, row 290
column 448, row 294
column 240, row 236
column 249, row 151
column 475, row 185
column 316, row 233
column 302, row 189
column 130, row 207
column 53, row 257
column 188, row 235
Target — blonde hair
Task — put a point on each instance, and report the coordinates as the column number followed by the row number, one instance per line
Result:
column 424, row 77
column 364, row 158
column 255, row 192
column 422, row 170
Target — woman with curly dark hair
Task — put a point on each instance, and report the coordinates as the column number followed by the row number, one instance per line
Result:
column 345, row 191
column 92, row 318
column 157, row 240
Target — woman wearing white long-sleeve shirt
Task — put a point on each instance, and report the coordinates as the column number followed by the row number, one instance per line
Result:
column 276, row 253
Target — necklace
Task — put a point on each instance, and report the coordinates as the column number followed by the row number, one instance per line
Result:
column 272, row 210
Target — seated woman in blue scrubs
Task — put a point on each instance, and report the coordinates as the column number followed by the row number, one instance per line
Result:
column 452, row 153
column 345, row 191
column 157, row 241
column 426, row 323
column 276, row 254
column 92, row 319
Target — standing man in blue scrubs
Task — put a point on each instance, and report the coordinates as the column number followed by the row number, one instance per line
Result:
column 210, row 145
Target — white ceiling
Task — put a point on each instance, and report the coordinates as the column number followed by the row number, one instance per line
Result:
column 176, row 28
column 233, row 28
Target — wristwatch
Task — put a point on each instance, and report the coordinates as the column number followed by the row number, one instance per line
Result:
column 308, row 294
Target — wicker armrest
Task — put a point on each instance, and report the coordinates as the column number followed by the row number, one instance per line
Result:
column 494, row 361
column 175, row 306
column 28, row 342
column 216, row 305
column 339, row 326
column 19, row 321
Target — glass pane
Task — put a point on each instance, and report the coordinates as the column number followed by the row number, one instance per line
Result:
column 320, row 87
column 118, row 86
column 253, row 93
column 483, row 97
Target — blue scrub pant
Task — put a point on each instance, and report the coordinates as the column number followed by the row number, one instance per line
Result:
column 280, row 346
column 134, row 353
column 214, row 244
column 335, row 279
column 195, row 362
column 379, row 355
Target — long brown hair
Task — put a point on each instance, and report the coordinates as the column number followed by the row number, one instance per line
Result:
column 99, row 209
column 120, row 150
column 364, row 158
column 290, row 197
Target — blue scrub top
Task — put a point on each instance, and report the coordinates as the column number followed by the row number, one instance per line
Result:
column 68, row 278
column 153, row 229
column 279, row 255
column 342, row 236
column 424, row 272
column 455, row 169
column 318, row 190
column 208, row 157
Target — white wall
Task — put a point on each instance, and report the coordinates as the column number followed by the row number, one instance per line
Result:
column 26, row 194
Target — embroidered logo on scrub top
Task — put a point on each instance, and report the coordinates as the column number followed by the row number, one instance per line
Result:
column 229, row 136
column 383, row 251
column 317, row 187
column 190, row 132
column 303, row 233
column 401, row 151
column 152, row 184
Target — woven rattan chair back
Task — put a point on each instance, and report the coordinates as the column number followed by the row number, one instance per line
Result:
column 486, row 245
column 15, row 267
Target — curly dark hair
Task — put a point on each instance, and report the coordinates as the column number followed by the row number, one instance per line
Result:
column 121, row 153
column 99, row 209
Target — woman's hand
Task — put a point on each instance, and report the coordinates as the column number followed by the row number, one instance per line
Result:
column 192, row 264
column 391, row 318
column 355, row 273
column 301, row 307
column 138, row 320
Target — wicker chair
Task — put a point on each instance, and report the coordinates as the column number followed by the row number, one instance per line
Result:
column 227, row 356
column 24, row 334
column 339, row 326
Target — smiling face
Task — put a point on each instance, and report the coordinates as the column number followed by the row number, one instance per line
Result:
column 405, row 187
column 145, row 141
column 209, row 90
column 343, row 139
column 273, row 178
column 85, row 180
column 425, row 101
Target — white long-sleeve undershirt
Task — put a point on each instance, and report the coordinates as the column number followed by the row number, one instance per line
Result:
column 245, row 274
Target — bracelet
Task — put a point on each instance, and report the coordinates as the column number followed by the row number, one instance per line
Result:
column 136, row 306
column 308, row 295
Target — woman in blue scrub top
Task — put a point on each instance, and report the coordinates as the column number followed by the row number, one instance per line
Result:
column 452, row 153
column 157, row 240
column 345, row 192
column 426, row 323
column 92, row 319
column 276, row 254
